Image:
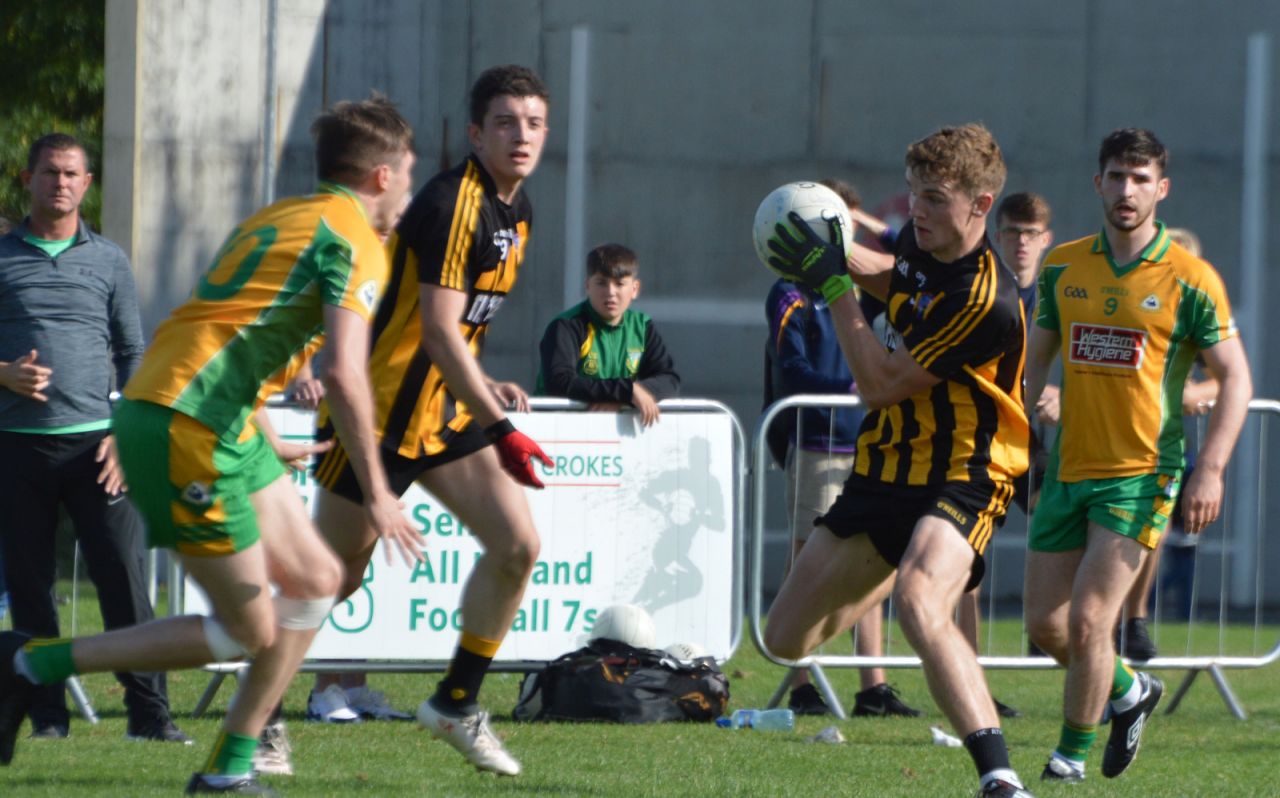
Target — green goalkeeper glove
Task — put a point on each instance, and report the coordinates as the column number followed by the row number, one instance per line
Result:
column 809, row 260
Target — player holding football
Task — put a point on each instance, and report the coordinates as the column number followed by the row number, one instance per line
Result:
column 207, row 473
column 945, row 438
column 440, row 418
column 1128, row 310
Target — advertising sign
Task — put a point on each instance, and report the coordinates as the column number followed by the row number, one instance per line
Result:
column 628, row 516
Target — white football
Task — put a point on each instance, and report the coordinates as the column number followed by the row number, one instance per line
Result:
column 814, row 202
column 626, row 623
column 687, row 652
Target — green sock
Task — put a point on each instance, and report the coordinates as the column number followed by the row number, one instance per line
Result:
column 232, row 755
column 1075, row 741
column 49, row 660
column 1123, row 680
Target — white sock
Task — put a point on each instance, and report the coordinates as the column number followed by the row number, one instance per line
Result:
column 1131, row 696
column 223, row 780
column 1003, row 774
column 22, row 667
column 1078, row 767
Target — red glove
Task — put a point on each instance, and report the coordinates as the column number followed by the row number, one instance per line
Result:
column 515, row 450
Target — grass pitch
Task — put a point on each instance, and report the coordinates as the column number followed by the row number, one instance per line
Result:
column 1200, row 750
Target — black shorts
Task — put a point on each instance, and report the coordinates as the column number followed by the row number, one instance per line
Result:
column 334, row 472
column 887, row 514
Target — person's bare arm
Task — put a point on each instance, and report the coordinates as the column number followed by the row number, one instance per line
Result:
column 346, row 380
column 884, row 378
column 1042, row 347
column 1202, row 497
column 442, row 310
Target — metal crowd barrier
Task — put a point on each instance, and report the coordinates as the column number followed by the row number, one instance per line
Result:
column 735, row 526
column 1238, row 535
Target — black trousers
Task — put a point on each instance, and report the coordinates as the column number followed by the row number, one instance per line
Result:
column 37, row 474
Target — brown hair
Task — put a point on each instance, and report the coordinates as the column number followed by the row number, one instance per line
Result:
column 966, row 157
column 1025, row 206
column 613, row 261
column 354, row 137
column 58, row 142
column 845, row 190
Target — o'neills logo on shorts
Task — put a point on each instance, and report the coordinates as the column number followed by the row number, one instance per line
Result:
column 1097, row 345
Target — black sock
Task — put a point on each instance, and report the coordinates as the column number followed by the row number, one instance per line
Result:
column 457, row 691
column 988, row 750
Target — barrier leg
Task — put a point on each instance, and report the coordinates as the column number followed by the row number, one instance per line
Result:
column 1219, row 681
column 81, row 699
column 788, row 679
column 820, row 682
column 1224, row 689
column 210, row 690
column 819, row 678
column 1182, row 690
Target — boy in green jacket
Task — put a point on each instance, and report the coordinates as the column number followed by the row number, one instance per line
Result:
column 601, row 353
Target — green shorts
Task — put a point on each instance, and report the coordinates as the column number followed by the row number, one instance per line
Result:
column 1137, row 507
column 191, row 485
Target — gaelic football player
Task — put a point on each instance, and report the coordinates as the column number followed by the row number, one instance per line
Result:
column 441, row 419
column 1128, row 310
column 208, row 476
column 946, row 436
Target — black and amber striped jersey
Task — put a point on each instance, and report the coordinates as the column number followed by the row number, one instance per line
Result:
column 455, row 234
column 962, row 322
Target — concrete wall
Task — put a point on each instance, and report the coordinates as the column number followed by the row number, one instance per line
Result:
column 696, row 111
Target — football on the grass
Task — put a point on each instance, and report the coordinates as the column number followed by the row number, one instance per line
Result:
column 625, row 623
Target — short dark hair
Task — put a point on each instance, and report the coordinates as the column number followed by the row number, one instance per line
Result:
column 845, row 190
column 1025, row 206
column 58, row 142
column 353, row 137
column 511, row 79
column 1132, row 146
column 613, row 261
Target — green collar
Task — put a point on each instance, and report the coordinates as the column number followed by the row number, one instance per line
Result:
column 1152, row 253
column 597, row 319
column 329, row 187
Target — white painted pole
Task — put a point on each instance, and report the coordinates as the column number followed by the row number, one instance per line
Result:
column 270, row 88
column 575, row 195
column 1253, row 246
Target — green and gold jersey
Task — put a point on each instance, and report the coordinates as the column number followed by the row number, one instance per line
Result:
column 1129, row 336
column 257, row 315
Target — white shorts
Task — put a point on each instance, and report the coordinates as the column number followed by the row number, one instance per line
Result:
column 814, row 480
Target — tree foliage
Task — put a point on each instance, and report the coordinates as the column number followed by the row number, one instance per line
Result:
column 52, row 56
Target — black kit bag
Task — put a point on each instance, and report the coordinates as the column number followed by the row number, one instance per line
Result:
column 612, row 681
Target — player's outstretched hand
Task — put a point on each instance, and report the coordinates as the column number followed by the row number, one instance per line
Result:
column 804, row 257
column 516, row 451
column 385, row 513
column 1201, row 499
column 298, row 455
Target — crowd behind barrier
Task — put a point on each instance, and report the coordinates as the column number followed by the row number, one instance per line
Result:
column 1234, row 544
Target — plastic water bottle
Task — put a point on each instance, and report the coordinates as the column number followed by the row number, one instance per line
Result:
column 763, row 719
